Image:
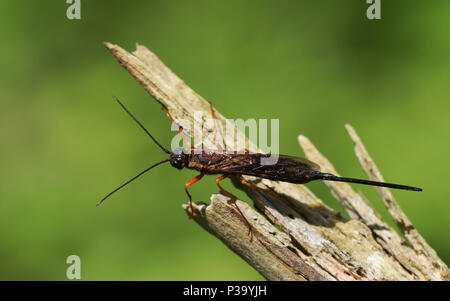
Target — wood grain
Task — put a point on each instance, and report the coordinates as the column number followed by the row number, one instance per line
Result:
column 311, row 240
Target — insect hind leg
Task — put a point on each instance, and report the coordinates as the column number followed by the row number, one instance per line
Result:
column 243, row 181
column 233, row 199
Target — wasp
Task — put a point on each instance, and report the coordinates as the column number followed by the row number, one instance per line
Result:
column 236, row 164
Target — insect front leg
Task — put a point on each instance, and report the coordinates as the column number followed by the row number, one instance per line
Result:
column 233, row 200
column 179, row 129
column 189, row 183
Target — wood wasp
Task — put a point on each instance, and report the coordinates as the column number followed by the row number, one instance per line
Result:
column 236, row 164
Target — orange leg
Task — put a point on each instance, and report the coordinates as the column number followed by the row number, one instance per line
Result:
column 246, row 150
column 191, row 182
column 179, row 129
column 243, row 181
column 233, row 200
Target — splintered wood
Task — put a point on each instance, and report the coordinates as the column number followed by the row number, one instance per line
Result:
column 311, row 240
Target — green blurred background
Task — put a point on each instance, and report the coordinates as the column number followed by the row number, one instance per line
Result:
column 315, row 65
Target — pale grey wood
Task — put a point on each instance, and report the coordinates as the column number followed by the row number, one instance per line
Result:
column 315, row 242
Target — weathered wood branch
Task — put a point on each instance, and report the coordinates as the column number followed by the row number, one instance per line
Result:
column 315, row 242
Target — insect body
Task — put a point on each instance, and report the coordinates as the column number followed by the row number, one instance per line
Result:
column 207, row 161
column 287, row 169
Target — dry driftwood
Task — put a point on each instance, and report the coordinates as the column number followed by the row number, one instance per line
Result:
column 315, row 242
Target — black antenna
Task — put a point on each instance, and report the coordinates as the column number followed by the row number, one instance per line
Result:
column 331, row 177
column 131, row 180
column 134, row 118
